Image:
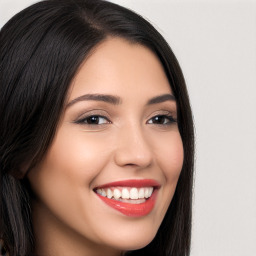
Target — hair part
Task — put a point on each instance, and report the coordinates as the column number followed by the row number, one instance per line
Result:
column 41, row 50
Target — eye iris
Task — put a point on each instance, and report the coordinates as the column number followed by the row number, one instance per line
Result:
column 159, row 119
column 93, row 120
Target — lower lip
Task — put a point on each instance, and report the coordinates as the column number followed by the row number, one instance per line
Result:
column 132, row 210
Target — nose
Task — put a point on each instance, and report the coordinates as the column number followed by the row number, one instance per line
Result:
column 133, row 149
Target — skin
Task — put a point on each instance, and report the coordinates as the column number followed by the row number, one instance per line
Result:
column 127, row 143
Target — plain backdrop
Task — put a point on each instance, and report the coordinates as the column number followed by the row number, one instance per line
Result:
column 215, row 43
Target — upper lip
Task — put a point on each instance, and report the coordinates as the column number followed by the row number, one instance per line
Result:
column 137, row 183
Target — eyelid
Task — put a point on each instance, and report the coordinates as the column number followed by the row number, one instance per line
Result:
column 95, row 112
column 163, row 112
column 169, row 117
column 93, row 127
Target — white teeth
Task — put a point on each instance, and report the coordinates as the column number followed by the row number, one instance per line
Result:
column 109, row 193
column 141, row 193
column 134, row 194
column 117, row 193
column 150, row 191
column 99, row 191
column 146, row 193
column 103, row 193
column 125, row 193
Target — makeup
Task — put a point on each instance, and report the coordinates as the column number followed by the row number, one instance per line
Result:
column 111, row 170
column 134, row 198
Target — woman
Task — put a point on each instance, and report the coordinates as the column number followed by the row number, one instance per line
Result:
column 96, row 134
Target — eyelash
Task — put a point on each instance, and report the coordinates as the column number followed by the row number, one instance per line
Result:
column 168, row 120
column 84, row 121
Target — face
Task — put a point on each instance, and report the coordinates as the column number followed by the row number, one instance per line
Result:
column 109, row 176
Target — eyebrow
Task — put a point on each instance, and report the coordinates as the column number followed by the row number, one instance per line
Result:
column 115, row 100
column 161, row 98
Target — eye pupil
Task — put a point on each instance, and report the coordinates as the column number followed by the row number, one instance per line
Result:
column 159, row 119
column 93, row 120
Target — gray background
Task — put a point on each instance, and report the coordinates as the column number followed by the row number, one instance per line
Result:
column 215, row 43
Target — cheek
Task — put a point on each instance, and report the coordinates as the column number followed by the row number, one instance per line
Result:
column 62, row 180
column 170, row 156
column 69, row 167
column 170, row 160
column 78, row 157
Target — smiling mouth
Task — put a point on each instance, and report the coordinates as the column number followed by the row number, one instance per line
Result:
column 127, row 194
column 133, row 198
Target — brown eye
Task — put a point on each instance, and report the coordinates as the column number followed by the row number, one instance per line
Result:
column 162, row 120
column 93, row 120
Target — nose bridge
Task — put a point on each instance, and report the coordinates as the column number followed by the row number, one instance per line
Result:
column 133, row 147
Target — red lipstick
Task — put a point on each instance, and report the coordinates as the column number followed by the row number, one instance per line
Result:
column 132, row 183
column 131, row 209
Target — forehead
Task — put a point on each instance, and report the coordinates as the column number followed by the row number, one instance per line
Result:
column 117, row 66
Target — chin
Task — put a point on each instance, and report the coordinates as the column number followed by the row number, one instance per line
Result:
column 133, row 242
